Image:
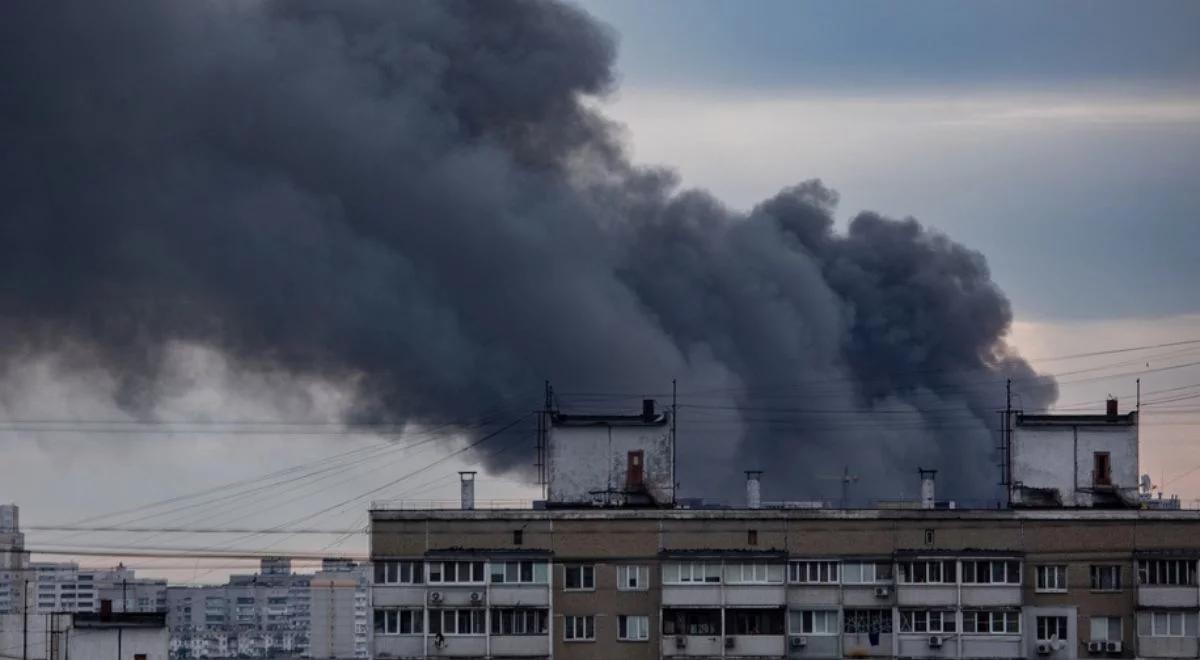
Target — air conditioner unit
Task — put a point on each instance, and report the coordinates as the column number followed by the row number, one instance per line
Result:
column 1112, row 647
column 1043, row 648
column 680, row 642
column 882, row 592
column 728, row 642
column 476, row 596
column 935, row 642
column 1095, row 647
column 799, row 641
column 435, row 596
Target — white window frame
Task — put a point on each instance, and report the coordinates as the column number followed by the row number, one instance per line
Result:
column 818, row 623
column 579, row 628
column 1166, row 572
column 520, row 620
column 1042, row 625
column 926, row 619
column 457, row 613
column 633, row 577
column 905, row 572
column 758, row 572
column 393, row 620
column 394, row 571
column 442, row 572
column 997, row 622
column 994, row 568
column 1108, row 626
column 814, row 571
column 692, row 572
column 1096, row 577
column 1043, row 583
column 638, row 624
column 584, row 570
column 1169, row 616
column 539, row 572
column 866, row 568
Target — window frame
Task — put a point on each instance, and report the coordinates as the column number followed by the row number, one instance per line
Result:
column 979, row 567
column 476, row 631
column 710, row 572
column 471, row 564
column 1042, row 571
column 623, row 621
column 573, row 623
column 587, row 574
column 808, row 618
column 906, row 571
column 640, row 573
column 862, row 572
column 1096, row 577
column 1170, row 616
column 392, row 571
column 1166, row 572
column 539, row 616
column 1108, row 621
column 925, row 617
column 415, row 616
column 994, row 622
column 802, row 571
column 759, row 572
column 1041, row 626
column 518, row 569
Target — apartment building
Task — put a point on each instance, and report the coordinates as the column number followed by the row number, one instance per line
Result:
column 339, row 612
column 630, row 576
column 64, row 587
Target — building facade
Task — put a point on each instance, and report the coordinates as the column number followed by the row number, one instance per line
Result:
column 339, row 610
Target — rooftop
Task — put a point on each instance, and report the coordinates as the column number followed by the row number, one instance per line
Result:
column 120, row 620
column 1128, row 419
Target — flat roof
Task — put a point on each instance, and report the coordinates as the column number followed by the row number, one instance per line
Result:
column 658, row 419
column 1128, row 419
column 1075, row 514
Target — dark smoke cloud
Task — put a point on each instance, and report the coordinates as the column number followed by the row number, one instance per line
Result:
column 414, row 198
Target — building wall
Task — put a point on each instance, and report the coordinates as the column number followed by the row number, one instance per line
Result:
column 609, row 538
column 588, row 464
column 115, row 644
column 1060, row 456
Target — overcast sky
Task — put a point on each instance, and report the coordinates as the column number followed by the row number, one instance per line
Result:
column 1061, row 139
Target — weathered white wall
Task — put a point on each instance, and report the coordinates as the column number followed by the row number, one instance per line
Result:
column 585, row 462
column 103, row 643
column 1061, row 457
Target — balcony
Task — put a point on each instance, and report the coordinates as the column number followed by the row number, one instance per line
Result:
column 991, row 646
column 807, row 595
column 1167, row 596
column 1167, row 647
column 691, row 595
column 916, row 645
column 920, row 595
column 520, row 595
column 858, row 645
column 679, row 646
column 816, row 646
column 521, row 645
column 991, row 595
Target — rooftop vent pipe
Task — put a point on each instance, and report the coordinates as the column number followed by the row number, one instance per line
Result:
column 1112, row 408
column 468, row 490
column 927, row 487
column 753, row 489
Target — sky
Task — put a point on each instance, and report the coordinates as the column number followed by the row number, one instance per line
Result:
column 1060, row 139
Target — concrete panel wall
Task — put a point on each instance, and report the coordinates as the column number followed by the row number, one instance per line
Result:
column 908, row 595
column 799, row 597
column 530, row 645
column 694, row 646
column 1167, row 647
column 991, row 596
column 1150, row 596
column 991, row 646
column 388, row 595
column 585, row 462
column 816, row 646
column 757, row 645
column 765, row 595
column 859, row 645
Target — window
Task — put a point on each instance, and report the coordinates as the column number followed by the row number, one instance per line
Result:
column 457, row 622
column 813, row 572
column 519, row 572
column 752, row 537
column 927, row 621
column 754, row 622
column 1106, row 629
column 518, row 536
column 633, row 578
column 1166, row 624
column 633, row 628
column 928, row 572
column 580, row 577
column 867, row 621
column 691, row 572
column 1051, row 628
column 399, row 621
column 1052, row 577
column 691, row 622
column 866, row 572
column 814, row 622
column 1173, row 572
column 754, row 573
column 1106, row 577
column 519, row 621
column 445, row 572
column 399, row 572
column 991, row 572
column 579, row 628
column 992, row 622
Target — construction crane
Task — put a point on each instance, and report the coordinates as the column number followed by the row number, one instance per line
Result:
column 846, row 478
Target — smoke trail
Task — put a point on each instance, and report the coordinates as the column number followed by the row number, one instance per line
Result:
column 412, row 198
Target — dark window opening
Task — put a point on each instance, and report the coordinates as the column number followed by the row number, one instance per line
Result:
column 518, row 536
column 1102, row 469
column 752, row 537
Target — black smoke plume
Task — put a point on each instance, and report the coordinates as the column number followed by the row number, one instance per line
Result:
column 415, row 198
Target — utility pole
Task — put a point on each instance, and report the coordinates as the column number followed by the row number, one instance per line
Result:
column 25, row 622
column 674, row 412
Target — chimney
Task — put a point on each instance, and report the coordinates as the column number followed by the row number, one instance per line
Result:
column 927, row 488
column 647, row 409
column 468, row 490
column 753, row 489
column 1112, row 407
